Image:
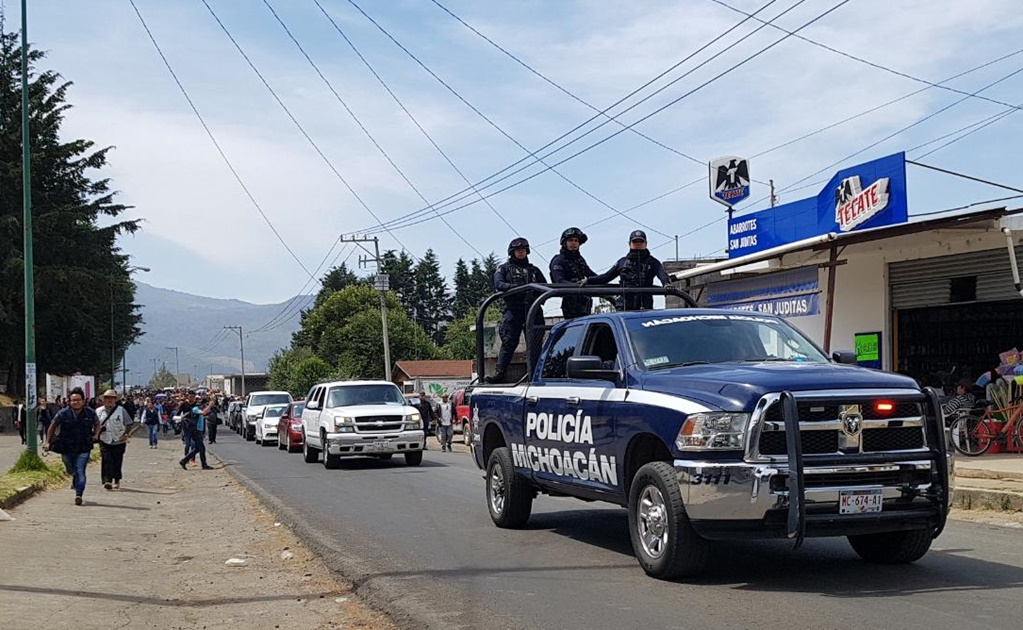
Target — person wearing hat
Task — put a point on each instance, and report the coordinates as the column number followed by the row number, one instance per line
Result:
column 570, row 266
column 636, row 270
column 114, row 422
column 517, row 271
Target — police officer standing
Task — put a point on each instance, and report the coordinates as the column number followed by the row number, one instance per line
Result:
column 570, row 266
column 515, row 272
column 637, row 270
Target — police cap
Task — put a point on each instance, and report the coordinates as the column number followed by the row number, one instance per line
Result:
column 637, row 235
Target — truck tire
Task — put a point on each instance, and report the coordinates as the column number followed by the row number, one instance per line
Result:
column 663, row 539
column 330, row 462
column 509, row 497
column 413, row 458
column 893, row 547
column 309, row 454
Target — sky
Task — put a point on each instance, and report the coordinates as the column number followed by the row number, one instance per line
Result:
column 565, row 61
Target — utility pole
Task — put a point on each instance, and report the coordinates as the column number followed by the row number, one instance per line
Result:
column 774, row 198
column 241, row 343
column 154, row 368
column 382, row 284
column 30, row 292
column 177, row 366
column 676, row 248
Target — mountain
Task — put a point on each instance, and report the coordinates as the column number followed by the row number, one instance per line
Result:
column 195, row 325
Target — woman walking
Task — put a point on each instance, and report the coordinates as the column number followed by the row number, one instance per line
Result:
column 71, row 434
column 113, row 438
column 151, row 418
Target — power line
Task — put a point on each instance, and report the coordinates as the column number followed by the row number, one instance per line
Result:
column 358, row 122
column 964, row 176
column 566, row 91
column 488, row 120
column 656, row 111
column 982, row 125
column 299, row 295
column 459, row 196
column 872, row 64
column 213, row 138
column 410, row 116
column 294, row 120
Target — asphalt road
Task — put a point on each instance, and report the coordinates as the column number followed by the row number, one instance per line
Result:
column 419, row 542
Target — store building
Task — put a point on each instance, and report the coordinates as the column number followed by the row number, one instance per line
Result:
column 853, row 271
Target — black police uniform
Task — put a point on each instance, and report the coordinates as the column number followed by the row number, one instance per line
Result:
column 637, row 269
column 571, row 267
column 510, row 274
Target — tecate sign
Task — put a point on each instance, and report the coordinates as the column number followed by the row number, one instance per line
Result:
column 855, row 206
column 729, row 179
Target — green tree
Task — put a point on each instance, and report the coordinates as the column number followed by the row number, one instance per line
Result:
column 460, row 338
column 335, row 280
column 431, row 309
column 308, row 372
column 462, row 301
column 282, row 365
column 80, row 272
column 163, row 378
column 400, row 269
column 365, row 347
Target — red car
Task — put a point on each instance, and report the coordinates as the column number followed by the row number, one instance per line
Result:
column 463, row 416
column 289, row 428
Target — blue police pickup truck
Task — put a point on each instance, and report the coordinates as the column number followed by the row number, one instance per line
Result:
column 712, row 424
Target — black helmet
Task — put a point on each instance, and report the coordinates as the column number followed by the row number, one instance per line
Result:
column 637, row 235
column 518, row 243
column 573, row 232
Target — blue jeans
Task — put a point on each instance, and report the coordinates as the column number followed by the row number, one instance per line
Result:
column 154, row 433
column 75, row 466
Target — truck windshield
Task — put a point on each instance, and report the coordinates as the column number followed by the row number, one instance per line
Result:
column 258, row 400
column 663, row 342
column 348, row 395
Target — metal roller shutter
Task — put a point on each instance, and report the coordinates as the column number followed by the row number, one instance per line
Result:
column 927, row 282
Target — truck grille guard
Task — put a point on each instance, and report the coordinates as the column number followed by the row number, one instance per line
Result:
column 936, row 452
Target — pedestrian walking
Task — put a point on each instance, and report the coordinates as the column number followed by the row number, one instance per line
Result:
column 43, row 418
column 192, row 423
column 21, row 421
column 426, row 411
column 151, row 418
column 212, row 420
column 445, row 430
column 113, row 439
column 71, row 434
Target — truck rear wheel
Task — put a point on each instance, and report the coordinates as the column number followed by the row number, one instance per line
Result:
column 663, row 539
column 893, row 547
column 509, row 497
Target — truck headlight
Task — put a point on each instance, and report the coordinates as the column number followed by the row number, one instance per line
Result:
column 413, row 422
column 344, row 424
column 713, row 430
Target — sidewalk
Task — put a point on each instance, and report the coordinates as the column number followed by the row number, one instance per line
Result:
column 152, row 555
column 993, row 482
column 11, row 449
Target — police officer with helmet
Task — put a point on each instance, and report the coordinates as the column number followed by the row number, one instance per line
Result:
column 637, row 270
column 570, row 266
column 515, row 272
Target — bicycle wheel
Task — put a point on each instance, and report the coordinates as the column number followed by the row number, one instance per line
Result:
column 972, row 436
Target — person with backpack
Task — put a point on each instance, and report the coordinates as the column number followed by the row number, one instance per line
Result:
column 193, row 424
column 151, row 418
column 71, row 434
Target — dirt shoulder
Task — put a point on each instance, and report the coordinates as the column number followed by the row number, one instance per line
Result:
column 153, row 554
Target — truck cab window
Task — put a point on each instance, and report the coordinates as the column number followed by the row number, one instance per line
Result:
column 556, row 361
column 600, row 342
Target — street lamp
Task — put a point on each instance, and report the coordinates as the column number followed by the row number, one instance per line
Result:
column 113, row 348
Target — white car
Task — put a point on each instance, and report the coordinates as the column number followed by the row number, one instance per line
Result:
column 367, row 418
column 266, row 424
column 253, row 409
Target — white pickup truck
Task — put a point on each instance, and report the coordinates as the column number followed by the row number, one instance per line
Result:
column 360, row 418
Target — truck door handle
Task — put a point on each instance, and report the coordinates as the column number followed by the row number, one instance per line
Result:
column 573, row 400
column 532, row 400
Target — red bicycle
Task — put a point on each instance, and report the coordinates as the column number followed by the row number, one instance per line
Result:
column 973, row 433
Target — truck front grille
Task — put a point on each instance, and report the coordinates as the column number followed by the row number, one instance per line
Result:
column 892, row 439
column 879, row 478
column 379, row 424
column 813, row 442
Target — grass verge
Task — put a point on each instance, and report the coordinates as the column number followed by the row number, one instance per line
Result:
column 34, row 471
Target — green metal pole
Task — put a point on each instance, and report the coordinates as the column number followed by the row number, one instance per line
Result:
column 30, row 317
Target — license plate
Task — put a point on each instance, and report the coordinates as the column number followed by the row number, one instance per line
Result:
column 380, row 446
column 860, row 501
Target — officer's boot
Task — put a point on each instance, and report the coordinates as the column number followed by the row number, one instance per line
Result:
column 496, row 377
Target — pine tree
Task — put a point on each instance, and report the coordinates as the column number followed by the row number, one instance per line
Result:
column 80, row 272
column 335, row 280
column 401, row 271
column 463, row 298
column 431, row 308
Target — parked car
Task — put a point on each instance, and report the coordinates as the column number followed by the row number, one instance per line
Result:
column 266, row 424
column 253, row 409
column 289, row 427
column 463, row 415
column 234, row 415
column 368, row 418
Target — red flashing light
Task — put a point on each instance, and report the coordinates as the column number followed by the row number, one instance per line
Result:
column 884, row 406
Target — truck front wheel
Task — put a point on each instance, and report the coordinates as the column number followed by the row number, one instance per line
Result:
column 892, row 547
column 509, row 497
column 664, row 540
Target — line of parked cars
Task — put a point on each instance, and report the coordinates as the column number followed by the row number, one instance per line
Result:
column 337, row 419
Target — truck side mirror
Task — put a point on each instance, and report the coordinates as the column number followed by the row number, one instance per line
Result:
column 590, row 367
column 312, row 405
column 845, row 357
